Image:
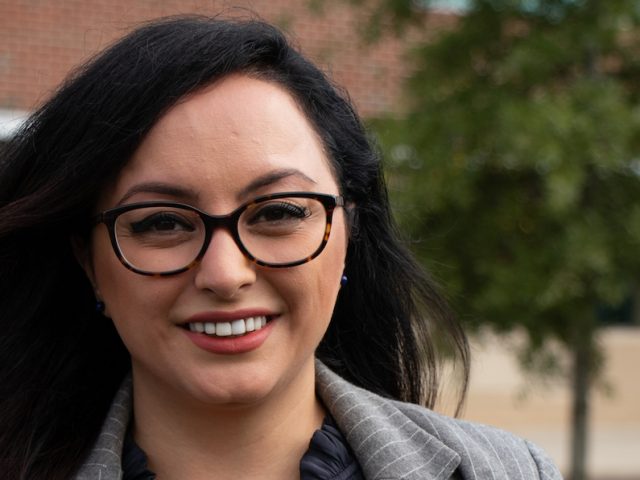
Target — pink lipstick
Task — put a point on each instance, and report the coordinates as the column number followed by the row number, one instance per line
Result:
column 227, row 333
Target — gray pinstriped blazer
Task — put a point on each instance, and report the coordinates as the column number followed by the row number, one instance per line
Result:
column 391, row 440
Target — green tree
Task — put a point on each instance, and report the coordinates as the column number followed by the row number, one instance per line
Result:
column 516, row 166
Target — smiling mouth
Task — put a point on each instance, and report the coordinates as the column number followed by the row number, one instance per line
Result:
column 228, row 329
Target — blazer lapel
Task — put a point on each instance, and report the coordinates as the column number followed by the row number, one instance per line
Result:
column 104, row 461
column 387, row 443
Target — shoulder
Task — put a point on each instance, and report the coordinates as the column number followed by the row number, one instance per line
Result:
column 485, row 451
column 393, row 439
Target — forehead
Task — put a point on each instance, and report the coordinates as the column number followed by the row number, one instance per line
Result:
column 219, row 138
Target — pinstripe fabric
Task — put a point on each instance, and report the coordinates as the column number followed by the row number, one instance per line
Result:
column 391, row 440
column 104, row 461
column 396, row 440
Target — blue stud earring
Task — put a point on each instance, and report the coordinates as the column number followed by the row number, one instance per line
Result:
column 100, row 306
column 343, row 280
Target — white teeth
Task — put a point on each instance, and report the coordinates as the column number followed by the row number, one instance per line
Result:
column 237, row 327
column 249, row 325
column 226, row 329
column 223, row 329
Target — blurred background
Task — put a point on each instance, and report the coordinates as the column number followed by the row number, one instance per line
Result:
column 511, row 135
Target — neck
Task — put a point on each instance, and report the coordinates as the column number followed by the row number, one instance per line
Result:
column 187, row 439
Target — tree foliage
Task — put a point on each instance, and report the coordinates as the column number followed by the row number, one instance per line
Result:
column 517, row 166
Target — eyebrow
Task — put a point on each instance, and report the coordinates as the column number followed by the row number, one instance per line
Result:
column 160, row 188
column 271, row 178
column 189, row 195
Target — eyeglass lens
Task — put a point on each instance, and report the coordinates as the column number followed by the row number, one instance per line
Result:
column 274, row 231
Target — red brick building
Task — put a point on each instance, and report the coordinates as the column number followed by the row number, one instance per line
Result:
column 42, row 40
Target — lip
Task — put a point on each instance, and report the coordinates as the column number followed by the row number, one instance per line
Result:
column 231, row 345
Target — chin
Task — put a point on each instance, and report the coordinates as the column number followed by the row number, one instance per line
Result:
column 233, row 390
column 236, row 396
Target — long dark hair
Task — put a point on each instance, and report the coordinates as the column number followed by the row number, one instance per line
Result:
column 60, row 360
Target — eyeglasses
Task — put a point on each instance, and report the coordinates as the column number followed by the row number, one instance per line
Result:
column 167, row 238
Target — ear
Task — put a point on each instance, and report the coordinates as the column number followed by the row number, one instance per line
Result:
column 82, row 252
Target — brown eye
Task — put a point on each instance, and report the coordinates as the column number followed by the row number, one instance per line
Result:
column 161, row 222
column 277, row 212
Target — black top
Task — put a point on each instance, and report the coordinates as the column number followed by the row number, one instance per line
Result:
column 328, row 458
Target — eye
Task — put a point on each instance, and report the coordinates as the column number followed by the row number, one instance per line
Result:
column 162, row 222
column 281, row 211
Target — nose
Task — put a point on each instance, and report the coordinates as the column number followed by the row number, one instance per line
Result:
column 224, row 269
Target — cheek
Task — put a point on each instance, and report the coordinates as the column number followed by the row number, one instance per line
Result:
column 313, row 287
column 130, row 299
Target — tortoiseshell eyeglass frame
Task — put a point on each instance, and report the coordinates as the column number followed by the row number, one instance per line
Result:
column 228, row 222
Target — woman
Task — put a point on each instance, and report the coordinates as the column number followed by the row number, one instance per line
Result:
column 200, row 275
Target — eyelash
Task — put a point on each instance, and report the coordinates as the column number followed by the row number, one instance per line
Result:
column 293, row 210
column 148, row 223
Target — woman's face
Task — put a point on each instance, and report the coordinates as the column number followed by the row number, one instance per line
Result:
column 215, row 150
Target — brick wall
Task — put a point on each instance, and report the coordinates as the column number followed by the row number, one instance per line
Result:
column 41, row 40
